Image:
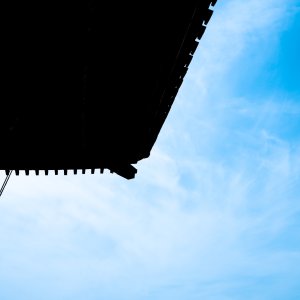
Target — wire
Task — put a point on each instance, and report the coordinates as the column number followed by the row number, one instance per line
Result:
column 5, row 182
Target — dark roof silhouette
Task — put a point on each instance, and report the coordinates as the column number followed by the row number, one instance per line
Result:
column 89, row 85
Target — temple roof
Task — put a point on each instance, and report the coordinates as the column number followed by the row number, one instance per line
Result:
column 89, row 86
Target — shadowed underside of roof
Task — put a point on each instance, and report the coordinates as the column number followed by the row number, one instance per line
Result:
column 88, row 85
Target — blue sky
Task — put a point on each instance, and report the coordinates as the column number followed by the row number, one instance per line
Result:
column 213, row 213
